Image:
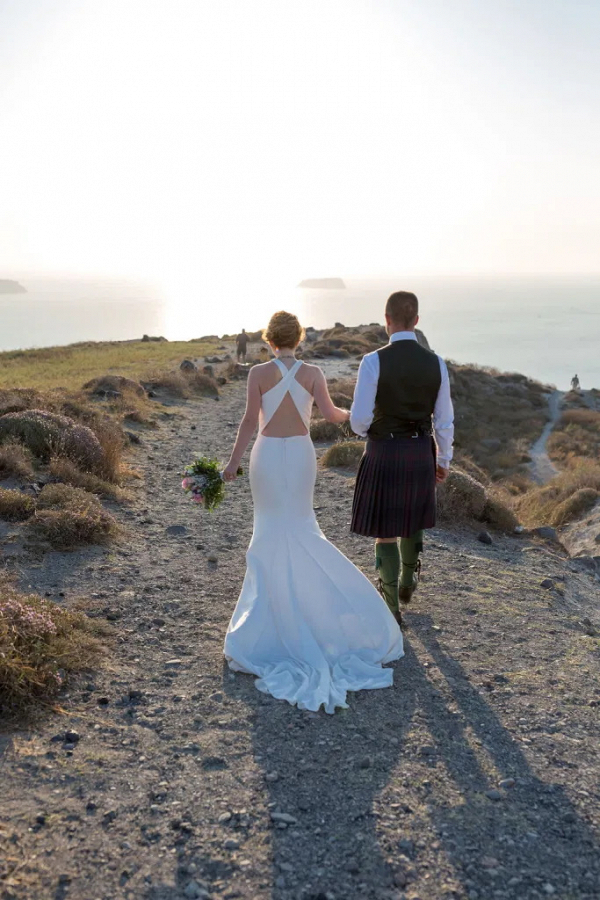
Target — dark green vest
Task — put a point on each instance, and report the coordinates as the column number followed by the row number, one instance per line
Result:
column 409, row 381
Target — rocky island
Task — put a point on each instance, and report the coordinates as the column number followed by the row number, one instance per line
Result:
column 322, row 283
column 7, row 286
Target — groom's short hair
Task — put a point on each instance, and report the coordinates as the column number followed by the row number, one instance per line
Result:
column 403, row 308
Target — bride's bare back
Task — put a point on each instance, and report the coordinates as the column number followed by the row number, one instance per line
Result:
column 286, row 420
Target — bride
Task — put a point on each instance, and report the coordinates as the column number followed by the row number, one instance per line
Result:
column 308, row 623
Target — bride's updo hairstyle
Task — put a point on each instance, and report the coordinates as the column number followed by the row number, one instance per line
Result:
column 284, row 330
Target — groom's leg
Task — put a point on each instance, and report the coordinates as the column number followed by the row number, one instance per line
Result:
column 410, row 548
column 387, row 563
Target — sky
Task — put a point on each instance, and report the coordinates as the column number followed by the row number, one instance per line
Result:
column 211, row 141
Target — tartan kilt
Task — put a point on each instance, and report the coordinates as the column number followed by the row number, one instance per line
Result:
column 394, row 494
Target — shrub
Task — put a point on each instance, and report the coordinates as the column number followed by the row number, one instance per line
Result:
column 15, row 506
column 499, row 512
column 541, row 505
column 66, row 529
column 322, row 431
column 65, row 496
column 68, row 472
column 341, row 400
column 15, row 459
column 68, row 517
column 45, row 434
column 460, row 497
column 41, row 646
column 574, row 507
column 344, row 454
column 114, row 384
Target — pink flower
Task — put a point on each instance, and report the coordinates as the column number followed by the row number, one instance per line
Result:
column 198, row 498
column 187, row 483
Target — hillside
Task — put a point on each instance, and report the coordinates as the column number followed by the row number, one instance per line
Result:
column 162, row 776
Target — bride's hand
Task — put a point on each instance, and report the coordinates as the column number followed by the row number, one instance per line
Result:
column 230, row 472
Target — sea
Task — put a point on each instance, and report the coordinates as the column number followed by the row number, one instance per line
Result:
column 547, row 328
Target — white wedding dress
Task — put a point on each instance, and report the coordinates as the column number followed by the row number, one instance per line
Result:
column 308, row 623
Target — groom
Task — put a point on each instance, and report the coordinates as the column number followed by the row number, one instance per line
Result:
column 402, row 398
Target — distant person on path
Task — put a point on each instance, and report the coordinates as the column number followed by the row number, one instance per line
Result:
column 241, row 343
column 402, row 399
column 575, row 383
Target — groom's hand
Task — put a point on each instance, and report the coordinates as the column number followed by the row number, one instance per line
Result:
column 441, row 473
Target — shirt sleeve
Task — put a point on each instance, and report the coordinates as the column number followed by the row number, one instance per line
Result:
column 443, row 418
column 363, row 406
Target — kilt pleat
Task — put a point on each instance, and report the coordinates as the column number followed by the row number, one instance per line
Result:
column 395, row 488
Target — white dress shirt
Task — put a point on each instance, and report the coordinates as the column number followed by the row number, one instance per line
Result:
column 363, row 407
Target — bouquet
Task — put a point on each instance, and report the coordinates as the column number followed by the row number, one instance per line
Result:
column 203, row 479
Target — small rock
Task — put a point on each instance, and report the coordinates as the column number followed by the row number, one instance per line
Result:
column 231, row 844
column 285, row 818
column 72, row 737
column 353, row 867
column 103, row 701
column 519, row 529
column 549, row 889
column 272, row 776
column 507, row 783
column 193, row 891
column 427, row 750
column 485, row 537
column 493, row 794
column 400, row 879
column 224, row 817
column 135, row 695
column 173, row 663
column 546, row 532
column 176, row 530
column 40, row 819
column 406, row 845
column 158, row 621
column 366, row 762
column 113, row 615
column 489, row 862
column 212, row 558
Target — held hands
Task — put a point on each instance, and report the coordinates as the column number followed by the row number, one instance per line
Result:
column 441, row 473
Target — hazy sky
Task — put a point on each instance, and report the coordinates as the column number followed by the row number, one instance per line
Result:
column 279, row 139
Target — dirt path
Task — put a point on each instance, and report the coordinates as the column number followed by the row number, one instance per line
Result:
column 475, row 776
column 542, row 468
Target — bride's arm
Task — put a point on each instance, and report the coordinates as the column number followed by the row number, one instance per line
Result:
column 247, row 426
column 328, row 409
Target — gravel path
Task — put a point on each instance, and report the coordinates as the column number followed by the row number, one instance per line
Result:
column 542, row 468
column 476, row 776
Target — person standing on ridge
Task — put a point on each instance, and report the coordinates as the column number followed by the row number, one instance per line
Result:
column 575, row 383
column 241, row 344
column 402, row 398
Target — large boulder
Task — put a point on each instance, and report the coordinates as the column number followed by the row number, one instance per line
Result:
column 47, row 434
column 112, row 385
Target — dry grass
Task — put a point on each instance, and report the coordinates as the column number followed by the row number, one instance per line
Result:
column 69, row 367
column 68, row 517
column 68, row 472
column 563, row 499
column 344, row 454
column 185, row 384
column 41, row 646
column 16, row 460
column 575, row 437
column 499, row 510
column 15, row 506
column 460, row 498
column 322, row 431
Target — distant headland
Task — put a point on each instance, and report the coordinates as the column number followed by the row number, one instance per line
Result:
column 322, row 283
column 11, row 287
